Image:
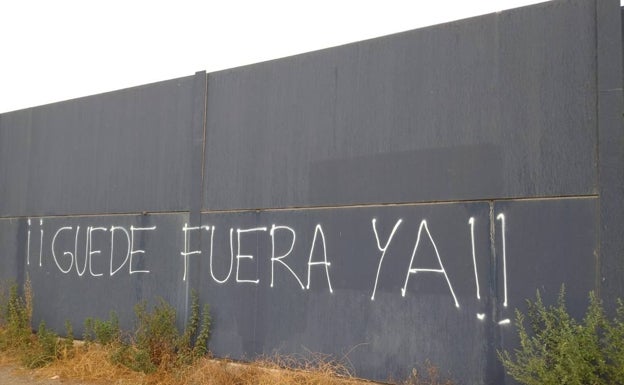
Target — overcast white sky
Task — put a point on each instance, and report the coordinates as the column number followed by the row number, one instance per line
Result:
column 62, row 49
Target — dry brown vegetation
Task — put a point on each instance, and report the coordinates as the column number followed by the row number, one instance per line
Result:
column 91, row 364
column 156, row 353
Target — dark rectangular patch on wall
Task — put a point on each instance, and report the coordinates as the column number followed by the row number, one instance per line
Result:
column 433, row 174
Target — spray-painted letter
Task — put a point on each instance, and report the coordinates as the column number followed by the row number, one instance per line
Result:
column 93, row 252
column 71, row 256
column 112, row 230
column 212, row 255
column 423, row 225
column 185, row 254
column 382, row 249
column 280, row 258
column 319, row 230
column 248, row 256
column 133, row 251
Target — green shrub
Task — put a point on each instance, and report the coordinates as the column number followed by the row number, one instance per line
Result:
column 104, row 332
column 614, row 350
column 194, row 341
column 154, row 340
column 88, row 335
column 158, row 342
column 17, row 317
column 185, row 343
column 133, row 358
column 201, row 344
column 4, row 301
column 557, row 349
column 107, row 332
column 45, row 348
column 157, row 333
column 67, row 344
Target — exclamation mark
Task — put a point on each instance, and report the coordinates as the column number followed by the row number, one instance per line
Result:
column 501, row 218
column 40, row 241
column 28, row 244
column 471, row 222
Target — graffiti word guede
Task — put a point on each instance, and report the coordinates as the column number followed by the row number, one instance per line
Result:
column 83, row 250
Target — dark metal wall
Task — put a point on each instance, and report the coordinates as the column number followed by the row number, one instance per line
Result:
column 119, row 152
column 477, row 109
column 387, row 202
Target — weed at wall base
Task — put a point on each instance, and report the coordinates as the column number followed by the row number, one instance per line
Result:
column 556, row 349
column 157, row 343
column 156, row 352
column 16, row 336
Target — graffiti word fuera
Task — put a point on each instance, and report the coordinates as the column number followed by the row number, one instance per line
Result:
column 318, row 241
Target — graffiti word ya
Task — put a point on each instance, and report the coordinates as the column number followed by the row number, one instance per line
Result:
column 411, row 270
column 424, row 235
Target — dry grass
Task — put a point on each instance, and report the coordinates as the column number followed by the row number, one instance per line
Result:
column 7, row 358
column 101, row 364
column 95, row 363
column 268, row 372
column 92, row 364
column 109, row 362
column 430, row 375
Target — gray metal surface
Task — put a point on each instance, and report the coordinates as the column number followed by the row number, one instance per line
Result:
column 111, row 153
column 498, row 106
column 611, row 144
column 11, row 267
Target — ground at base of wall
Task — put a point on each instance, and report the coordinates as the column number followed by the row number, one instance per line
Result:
column 12, row 373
